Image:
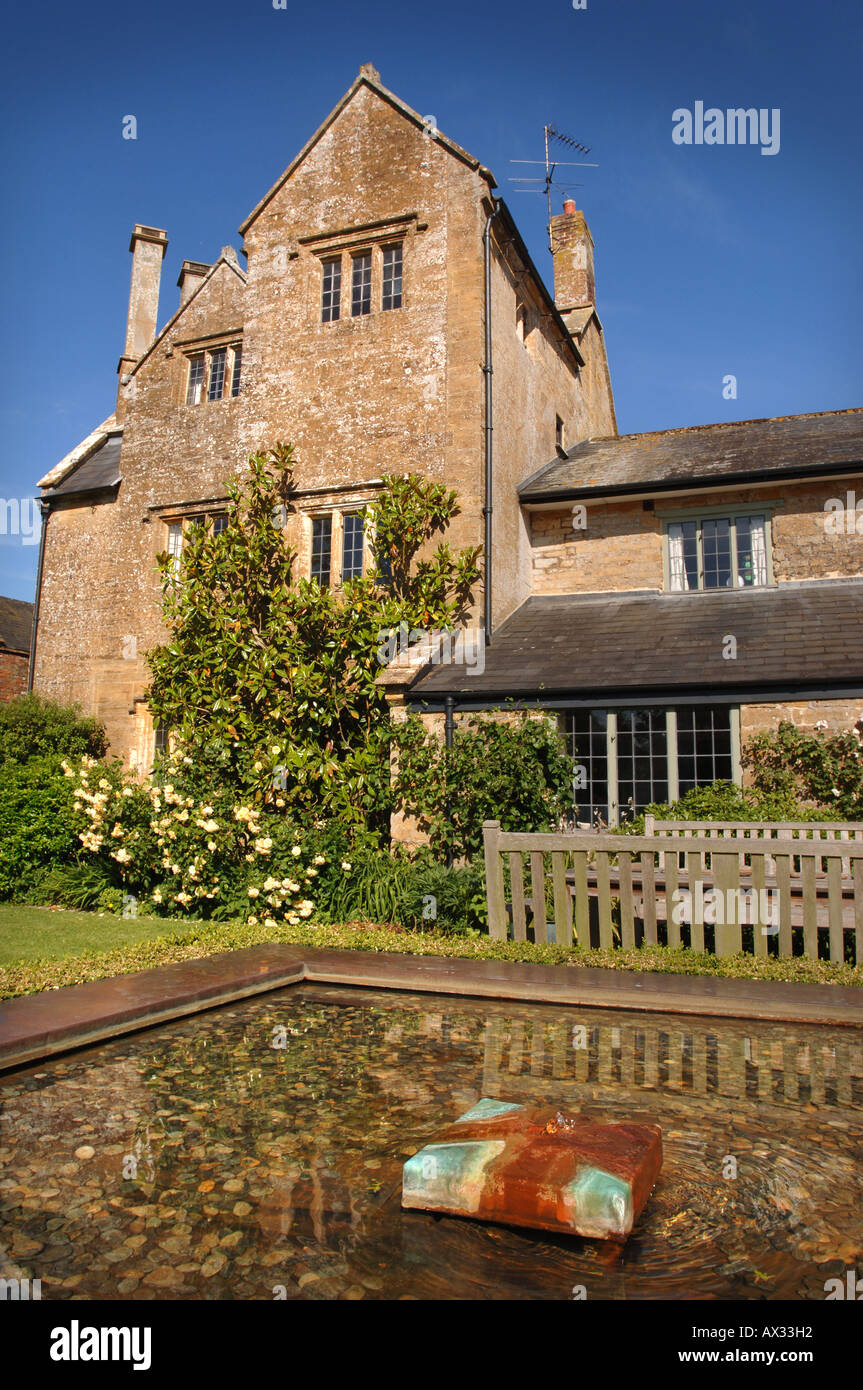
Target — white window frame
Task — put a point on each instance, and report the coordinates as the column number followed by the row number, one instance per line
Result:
column 729, row 513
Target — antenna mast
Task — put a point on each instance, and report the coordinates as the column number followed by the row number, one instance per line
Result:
column 551, row 165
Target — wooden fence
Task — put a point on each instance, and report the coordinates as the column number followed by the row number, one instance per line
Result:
column 806, row 895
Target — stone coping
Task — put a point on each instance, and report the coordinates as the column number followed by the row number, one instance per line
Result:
column 40, row 1025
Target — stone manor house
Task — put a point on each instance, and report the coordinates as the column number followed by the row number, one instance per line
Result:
column 666, row 594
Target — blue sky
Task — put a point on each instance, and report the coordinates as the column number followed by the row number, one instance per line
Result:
column 711, row 260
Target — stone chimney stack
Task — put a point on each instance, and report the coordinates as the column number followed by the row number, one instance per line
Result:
column 148, row 247
column 191, row 275
column 572, row 251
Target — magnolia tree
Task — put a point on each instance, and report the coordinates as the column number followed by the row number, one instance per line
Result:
column 267, row 682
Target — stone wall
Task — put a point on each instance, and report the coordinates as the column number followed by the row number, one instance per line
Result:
column 620, row 547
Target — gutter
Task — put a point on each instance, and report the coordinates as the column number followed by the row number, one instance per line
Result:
column 637, row 697
column 45, row 508
column 488, row 372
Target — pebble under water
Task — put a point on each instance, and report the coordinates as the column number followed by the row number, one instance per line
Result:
column 255, row 1152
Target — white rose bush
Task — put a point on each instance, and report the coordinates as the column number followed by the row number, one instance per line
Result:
column 176, row 854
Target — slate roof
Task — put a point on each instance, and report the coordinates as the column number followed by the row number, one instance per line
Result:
column 789, row 446
column 16, row 622
column 795, row 637
column 100, row 469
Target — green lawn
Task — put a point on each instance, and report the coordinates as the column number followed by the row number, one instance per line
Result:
column 47, row 933
column 45, row 949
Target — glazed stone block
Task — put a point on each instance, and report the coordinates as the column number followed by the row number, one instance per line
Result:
column 527, row 1166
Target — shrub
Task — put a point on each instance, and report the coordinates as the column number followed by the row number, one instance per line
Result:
column 419, row 894
column 449, row 900
column 515, row 771
column 179, row 854
column 37, row 823
column 80, row 886
column 31, row 727
column 728, row 802
column 809, row 765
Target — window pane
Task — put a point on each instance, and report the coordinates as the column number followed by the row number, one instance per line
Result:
column 642, row 758
column 220, row 523
column 392, row 288
column 703, row 746
column 235, row 375
column 175, row 543
column 751, row 551
column 352, row 547
column 332, row 290
column 589, row 750
column 716, row 546
column 322, row 538
column 682, row 556
column 361, row 290
column 216, row 388
column 196, row 380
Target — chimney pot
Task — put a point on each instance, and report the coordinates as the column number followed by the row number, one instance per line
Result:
column 569, row 206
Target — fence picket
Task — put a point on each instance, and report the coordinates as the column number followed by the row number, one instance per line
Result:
column 516, row 879
column 834, row 908
column 648, row 894
column 603, row 893
column 562, row 902
column 627, row 911
column 537, row 896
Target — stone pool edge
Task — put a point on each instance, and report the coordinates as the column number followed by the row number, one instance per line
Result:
column 43, row 1025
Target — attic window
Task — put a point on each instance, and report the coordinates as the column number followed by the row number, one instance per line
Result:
column 332, row 290
column 196, row 379
column 214, row 375
column 216, row 388
column 361, row 284
column 392, row 277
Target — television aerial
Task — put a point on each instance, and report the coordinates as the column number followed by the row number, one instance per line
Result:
column 548, row 181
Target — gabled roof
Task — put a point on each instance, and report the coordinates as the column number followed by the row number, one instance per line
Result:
column 16, row 622
column 790, row 446
column 367, row 77
column 590, row 647
column 228, row 257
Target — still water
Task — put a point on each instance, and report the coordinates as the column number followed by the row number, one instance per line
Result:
column 255, row 1152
